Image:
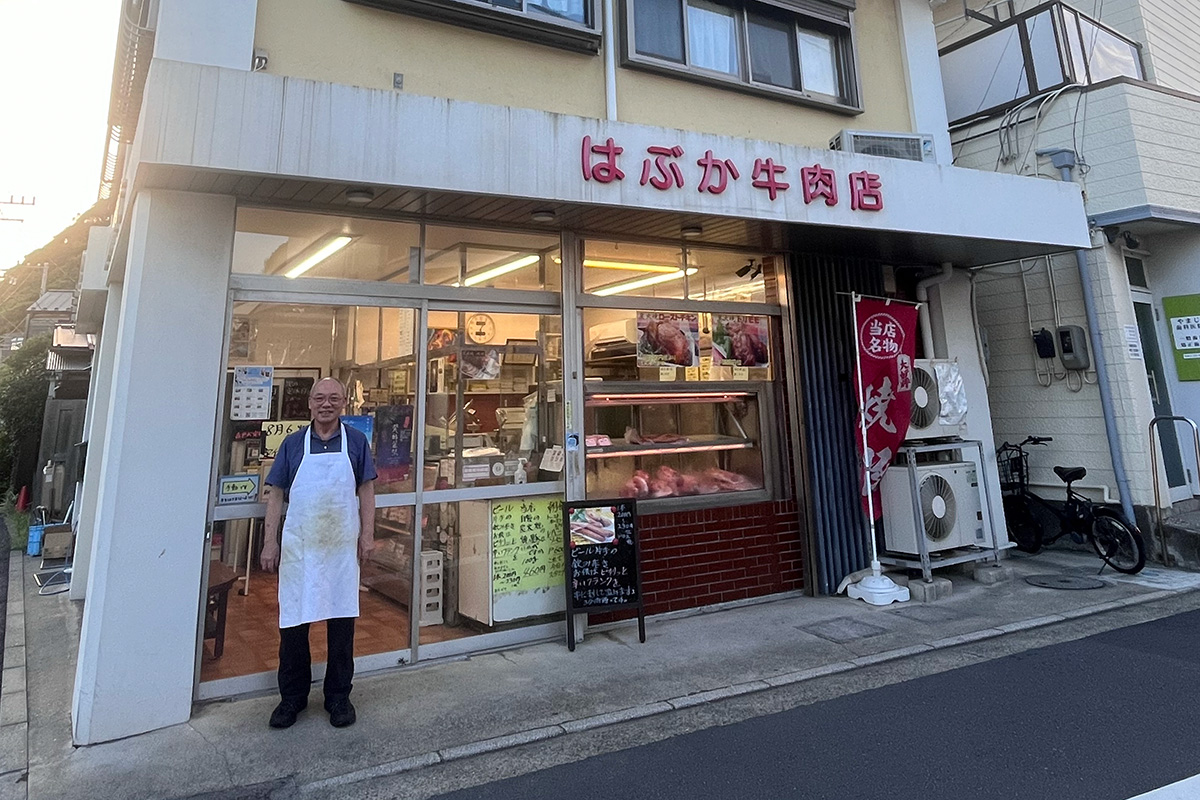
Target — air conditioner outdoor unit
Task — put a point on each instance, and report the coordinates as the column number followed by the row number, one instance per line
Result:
column 908, row 146
column 925, row 421
column 950, row 506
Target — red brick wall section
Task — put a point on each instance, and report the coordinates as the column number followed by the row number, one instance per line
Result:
column 698, row 558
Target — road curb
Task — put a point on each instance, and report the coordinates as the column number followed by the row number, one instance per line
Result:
column 694, row 699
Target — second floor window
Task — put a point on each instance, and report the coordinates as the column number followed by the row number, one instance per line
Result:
column 766, row 48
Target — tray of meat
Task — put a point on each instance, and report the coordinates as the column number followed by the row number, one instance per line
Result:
column 633, row 437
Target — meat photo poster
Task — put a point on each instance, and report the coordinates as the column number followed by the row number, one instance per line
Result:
column 666, row 339
column 740, row 340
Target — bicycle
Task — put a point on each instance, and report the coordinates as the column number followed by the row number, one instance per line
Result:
column 1116, row 541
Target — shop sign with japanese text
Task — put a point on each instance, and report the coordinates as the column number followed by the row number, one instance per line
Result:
column 668, row 167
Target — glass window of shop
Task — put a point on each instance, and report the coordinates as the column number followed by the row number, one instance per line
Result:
column 678, row 401
column 461, row 404
column 491, row 259
column 289, row 244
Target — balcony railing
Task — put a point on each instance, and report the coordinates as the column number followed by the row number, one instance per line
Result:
column 1038, row 51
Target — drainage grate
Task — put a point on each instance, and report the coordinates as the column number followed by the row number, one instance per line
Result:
column 1065, row 582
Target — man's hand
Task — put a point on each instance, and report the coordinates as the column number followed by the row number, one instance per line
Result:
column 366, row 545
column 269, row 558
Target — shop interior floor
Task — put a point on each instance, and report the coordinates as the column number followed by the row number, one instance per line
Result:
column 252, row 631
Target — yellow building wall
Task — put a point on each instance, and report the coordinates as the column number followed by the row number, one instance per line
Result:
column 346, row 43
column 338, row 42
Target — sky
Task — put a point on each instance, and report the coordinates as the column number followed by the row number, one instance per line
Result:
column 56, row 59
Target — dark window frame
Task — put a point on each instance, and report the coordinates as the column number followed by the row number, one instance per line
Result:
column 518, row 24
column 839, row 23
column 1063, row 27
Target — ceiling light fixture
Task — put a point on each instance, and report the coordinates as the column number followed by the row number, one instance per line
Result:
column 630, row 266
column 317, row 256
column 360, row 196
column 691, row 231
column 543, row 215
column 642, row 283
column 501, row 269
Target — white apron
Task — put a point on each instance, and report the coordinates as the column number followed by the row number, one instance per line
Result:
column 318, row 563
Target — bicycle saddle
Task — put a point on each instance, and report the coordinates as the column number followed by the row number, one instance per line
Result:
column 1070, row 474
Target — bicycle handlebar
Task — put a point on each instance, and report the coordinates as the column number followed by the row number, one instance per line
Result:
column 1037, row 439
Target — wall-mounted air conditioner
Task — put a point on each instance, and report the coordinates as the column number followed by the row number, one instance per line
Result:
column 908, row 146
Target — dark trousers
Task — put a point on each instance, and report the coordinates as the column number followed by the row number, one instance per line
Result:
column 295, row 661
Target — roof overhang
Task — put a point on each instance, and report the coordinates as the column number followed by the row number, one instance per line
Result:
column 289, row 142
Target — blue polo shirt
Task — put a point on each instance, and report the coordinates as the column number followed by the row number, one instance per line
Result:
column 287, row 460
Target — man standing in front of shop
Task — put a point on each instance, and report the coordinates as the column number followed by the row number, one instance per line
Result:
column 328, row 473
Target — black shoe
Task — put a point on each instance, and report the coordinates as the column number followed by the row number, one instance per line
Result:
column 284, row 715
column 341, row 713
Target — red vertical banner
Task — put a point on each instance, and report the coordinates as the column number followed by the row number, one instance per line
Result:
column 886, row 334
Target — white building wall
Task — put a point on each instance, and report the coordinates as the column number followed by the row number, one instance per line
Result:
column 1022, row 406
column 138, row 642
column 923, row 75
column 1141, row 147
column 1172, row 38
column 99, row 397
column 961, row 345
column 216, row 33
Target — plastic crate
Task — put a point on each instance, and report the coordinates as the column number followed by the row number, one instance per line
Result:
column 34, row 545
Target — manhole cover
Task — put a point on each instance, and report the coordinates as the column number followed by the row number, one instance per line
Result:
column 842, row 629
column 1065, row 582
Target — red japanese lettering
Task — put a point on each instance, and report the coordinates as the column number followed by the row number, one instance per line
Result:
column 866, row 191
column 819, row 182
column 717, row 173
column 605, row 170
column 669, row 173
column 766, row 176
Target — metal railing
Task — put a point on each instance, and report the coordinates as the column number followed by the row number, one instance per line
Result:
column 1162, row 531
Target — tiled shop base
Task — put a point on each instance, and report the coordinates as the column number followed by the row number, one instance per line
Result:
column 252, row 631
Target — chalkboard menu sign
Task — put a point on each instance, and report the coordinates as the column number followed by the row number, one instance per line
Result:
column 602, row 562
column 295, row 398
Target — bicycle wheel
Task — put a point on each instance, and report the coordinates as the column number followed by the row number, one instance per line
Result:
column 1119, row 545
column 1024, row 528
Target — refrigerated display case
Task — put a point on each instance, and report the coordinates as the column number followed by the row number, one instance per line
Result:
column 690, row 445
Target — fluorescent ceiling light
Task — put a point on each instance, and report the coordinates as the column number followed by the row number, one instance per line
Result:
column 642, row 283
column 501, row 269
column 631, row 266
column 325, row 251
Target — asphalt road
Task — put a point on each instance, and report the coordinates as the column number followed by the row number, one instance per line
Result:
column 1104, row 717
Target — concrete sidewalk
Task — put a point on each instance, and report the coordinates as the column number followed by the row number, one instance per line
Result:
column 419, row 716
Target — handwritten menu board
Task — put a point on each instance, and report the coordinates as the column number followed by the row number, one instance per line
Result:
column 525, row 551
column 602, row 561
column 295, row 398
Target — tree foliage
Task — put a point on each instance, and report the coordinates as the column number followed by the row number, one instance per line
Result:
column 23, row 387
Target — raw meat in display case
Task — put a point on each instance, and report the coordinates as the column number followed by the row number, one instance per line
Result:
column 675, row 444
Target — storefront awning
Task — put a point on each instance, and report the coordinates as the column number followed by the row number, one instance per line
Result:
column 304, row 144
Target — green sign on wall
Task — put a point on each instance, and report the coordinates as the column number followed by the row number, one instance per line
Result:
column 1183, row 320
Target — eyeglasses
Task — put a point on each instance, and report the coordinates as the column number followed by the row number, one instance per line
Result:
column 321, row 399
